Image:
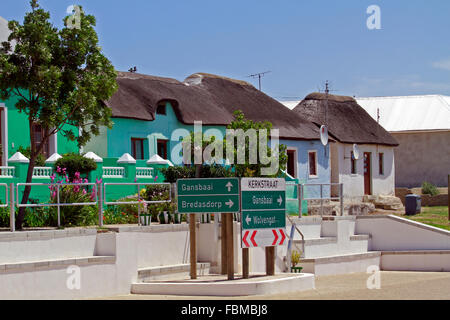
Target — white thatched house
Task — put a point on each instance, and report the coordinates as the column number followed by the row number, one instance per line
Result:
column 348, row 124
column 421, row 124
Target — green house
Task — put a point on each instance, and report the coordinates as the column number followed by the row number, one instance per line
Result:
column 15, row 133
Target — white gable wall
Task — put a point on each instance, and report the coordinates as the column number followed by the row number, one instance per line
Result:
column 354, row 183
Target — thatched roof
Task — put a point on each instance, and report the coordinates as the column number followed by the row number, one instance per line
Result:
column 208, row 98
column 347, row 121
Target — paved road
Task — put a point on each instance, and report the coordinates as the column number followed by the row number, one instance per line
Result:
column 394, row 286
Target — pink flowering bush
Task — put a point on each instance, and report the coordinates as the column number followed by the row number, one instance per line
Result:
column 76, row 193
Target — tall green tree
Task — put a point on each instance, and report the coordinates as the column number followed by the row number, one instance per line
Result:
column 261, row 160
column 60, row 78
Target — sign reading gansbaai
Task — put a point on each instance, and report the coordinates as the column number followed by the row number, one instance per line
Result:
column 215, row 195
column 263, row 202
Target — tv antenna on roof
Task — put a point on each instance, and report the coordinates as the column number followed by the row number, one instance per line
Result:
column 132, row 70
column 259, row 76
column 327, row 92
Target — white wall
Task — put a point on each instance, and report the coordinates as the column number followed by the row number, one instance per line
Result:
column 391, row 233
column 46, row 245
column 354, row 183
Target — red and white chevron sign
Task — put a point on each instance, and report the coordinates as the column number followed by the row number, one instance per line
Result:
column 252, row 238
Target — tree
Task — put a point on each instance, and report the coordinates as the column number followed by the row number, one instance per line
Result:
column 253, row 168
column 242, row 145
column 60, row 78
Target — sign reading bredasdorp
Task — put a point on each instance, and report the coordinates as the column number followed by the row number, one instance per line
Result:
column 263, row 202
column 215, row 195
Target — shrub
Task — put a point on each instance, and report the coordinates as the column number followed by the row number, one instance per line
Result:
column 74, row 215
column 172, row 174
column 122, row 213
column 295, row 258
column 73, row 163
column 40, row 159
column 39, row 217
column 4, row 217
column 429, row 188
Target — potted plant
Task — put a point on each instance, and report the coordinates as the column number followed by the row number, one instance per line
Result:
column 176, row 216
column 164, row 216
column 145, row 215
column 295, row 259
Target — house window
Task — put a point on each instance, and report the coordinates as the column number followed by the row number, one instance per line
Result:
column 39, row 134
column 162, row 148
column 312, row 159
column 352, row 163
column 381, row 163
column 137, row 148
column 161, row 109
column 291, row 163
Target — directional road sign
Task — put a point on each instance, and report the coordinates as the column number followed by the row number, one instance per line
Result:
column 215, row 195
column 263, row 202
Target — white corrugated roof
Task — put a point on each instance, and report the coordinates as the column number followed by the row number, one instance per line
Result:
column 409, row 113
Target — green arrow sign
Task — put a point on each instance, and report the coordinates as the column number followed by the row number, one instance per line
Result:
column 256, row 200
column 263, row 219
column 208, row 195
column 215, row 186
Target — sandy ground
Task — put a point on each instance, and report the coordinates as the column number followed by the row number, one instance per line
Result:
column 394, row 286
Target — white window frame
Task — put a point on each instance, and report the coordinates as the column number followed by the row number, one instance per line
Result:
column 295, row 160
column 313, row 176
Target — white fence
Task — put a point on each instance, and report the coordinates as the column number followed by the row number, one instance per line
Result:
column 7, row 172
column 42, row 172
column 113, row 172
column 143, row 172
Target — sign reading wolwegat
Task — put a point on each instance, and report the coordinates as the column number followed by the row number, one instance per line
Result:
column 214, row 195
column 263, row 212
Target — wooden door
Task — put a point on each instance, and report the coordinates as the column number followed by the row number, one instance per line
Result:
column 367, row 173
column 291, row 163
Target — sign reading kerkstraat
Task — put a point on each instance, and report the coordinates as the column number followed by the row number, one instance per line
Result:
column 215, row 195
column 263, row 202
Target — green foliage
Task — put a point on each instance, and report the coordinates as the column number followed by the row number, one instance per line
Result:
column 38, row 217
column 75, row 215
column 122, row 213
column 295, row 258
column 74, row 162
column 59, row 77
column 40, row 159
column 247, row 169
column 172, row 174
column 429, row 188
column 4, row 217
column 64, row 73
column 158, row 193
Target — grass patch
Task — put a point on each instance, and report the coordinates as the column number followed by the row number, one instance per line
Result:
column 433, row 216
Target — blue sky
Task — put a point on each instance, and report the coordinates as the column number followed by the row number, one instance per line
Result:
column 303, row 43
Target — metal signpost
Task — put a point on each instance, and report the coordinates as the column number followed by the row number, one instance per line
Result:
column 216, row 195
column 263, row 212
